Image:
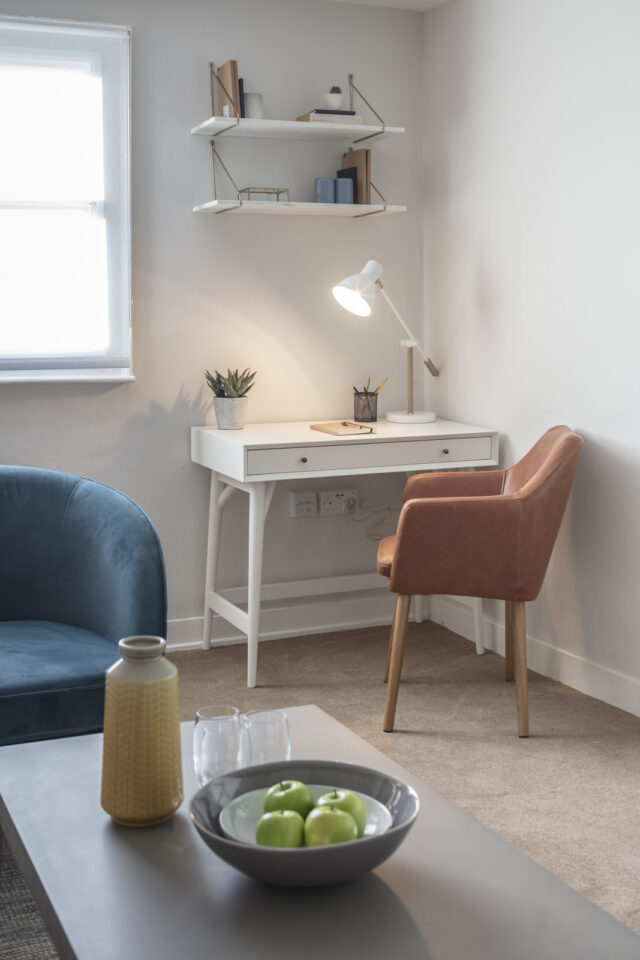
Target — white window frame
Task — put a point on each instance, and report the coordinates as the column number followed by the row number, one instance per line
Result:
column 112, row 43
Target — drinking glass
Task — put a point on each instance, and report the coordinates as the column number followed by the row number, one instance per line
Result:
column 266, row 736
column 217, row 739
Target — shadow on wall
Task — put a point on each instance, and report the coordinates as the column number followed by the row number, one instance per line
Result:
column 444, row 227
column 151, row 462
column 605, row 543
column 153, row 445
column 595, row 564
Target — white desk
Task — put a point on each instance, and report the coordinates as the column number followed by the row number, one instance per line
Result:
column 254, row 459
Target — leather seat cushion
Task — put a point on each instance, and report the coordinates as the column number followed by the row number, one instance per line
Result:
column 52, row 679
column 386, row 549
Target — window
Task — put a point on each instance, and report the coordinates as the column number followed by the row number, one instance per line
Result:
column 65, row 287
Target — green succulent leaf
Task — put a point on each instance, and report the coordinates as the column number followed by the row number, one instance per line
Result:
column 235, row 384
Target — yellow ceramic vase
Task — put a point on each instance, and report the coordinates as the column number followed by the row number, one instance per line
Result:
column 141, row 761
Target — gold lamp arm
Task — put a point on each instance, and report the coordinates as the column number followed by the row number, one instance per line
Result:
column 428, row 362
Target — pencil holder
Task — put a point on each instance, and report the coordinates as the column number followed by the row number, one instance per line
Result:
column 365, row 406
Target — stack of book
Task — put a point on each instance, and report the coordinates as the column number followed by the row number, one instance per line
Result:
column 330, row 116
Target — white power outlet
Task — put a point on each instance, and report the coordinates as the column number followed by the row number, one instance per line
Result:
column 338, row 502
column 303, row 503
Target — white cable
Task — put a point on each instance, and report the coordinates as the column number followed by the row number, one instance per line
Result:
column 386, row 518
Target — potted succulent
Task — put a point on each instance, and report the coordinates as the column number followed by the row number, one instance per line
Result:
column 230, row 399
column 333, row 99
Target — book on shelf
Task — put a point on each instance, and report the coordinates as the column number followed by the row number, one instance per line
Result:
column 241, row 95
column 228, row 89
column 344, row 428
column 330, row 116
column 361, row 160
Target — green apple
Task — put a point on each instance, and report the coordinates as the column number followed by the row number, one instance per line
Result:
column 281, row 828
column 326, row 825
column 289, row 795
column 349, row 802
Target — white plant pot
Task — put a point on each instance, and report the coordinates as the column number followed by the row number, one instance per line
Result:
column 231, row 412
column 333, row 101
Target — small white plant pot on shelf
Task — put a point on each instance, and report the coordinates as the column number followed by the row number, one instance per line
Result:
column 231, row 412
column 333, row 101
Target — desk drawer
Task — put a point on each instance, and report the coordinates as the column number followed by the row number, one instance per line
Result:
column 365, row 455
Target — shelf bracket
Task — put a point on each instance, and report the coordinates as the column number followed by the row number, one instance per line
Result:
column 216, row 156
column 373, row 213
column 354, row 90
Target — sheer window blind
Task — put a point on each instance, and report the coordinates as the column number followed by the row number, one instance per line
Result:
column 65, row 286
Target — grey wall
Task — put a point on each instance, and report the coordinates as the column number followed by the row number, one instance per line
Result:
column 532, row 205
column 239, row 291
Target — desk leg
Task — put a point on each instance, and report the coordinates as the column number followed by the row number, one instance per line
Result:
column 213, row 548
column 478, row 624
column 418, row 608
column 422, row 608
column 257, row 517
column 478, row 621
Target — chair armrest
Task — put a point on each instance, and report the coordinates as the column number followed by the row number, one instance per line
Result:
column 464, row 484
column 465, row 546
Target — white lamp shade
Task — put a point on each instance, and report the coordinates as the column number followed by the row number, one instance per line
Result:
column 358, row 292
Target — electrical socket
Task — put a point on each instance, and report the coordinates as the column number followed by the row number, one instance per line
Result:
column 303, row 503
column 334, row 503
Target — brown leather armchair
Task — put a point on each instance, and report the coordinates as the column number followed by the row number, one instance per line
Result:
column 480, row 535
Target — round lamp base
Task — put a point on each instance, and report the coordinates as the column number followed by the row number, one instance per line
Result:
column 418, row 416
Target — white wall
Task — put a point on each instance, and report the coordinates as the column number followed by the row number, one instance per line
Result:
column 239, row 291
column 532, row 245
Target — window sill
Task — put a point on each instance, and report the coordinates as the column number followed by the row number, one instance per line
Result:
column 64, row 376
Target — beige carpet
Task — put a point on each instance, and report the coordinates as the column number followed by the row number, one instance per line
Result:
column 569, row 796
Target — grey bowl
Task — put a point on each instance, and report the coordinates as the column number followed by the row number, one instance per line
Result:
column 306, row 866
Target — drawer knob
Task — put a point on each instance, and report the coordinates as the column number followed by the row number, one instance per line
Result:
column 446, row 450
column 303, row 459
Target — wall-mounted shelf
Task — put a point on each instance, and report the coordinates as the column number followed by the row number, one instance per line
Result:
column 248, row 127
column 295, row 130
column 286, row 208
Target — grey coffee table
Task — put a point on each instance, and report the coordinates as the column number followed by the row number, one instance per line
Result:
column 453, row 890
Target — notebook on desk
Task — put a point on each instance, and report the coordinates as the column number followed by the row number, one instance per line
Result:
column 344, row 428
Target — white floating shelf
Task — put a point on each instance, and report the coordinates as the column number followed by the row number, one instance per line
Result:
column 290, row 208
column 295, row 130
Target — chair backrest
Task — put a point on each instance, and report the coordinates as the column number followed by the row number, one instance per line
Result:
column 32, row 509
column 542, row 482
column 79, row 552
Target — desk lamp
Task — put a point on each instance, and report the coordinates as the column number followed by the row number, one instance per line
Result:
column 357, row 295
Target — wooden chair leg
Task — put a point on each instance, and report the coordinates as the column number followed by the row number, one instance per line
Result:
column 393, row 623
column 398, row 636
column 508, row 640
column 520, row 666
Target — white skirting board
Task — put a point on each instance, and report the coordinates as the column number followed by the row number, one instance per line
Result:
column 292, row 619
column 375, row 608
column 617, row 689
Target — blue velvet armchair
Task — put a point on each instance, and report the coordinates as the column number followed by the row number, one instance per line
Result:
column 80, row 567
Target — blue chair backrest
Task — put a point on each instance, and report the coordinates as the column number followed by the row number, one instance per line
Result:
column 76, row 551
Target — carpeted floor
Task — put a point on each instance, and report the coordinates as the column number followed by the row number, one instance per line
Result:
column 568, row 796
column 22, row 932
